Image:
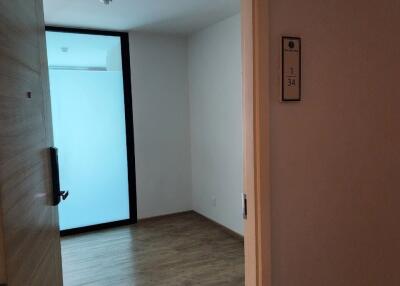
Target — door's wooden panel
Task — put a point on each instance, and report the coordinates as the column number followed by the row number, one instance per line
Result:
column 18, row 18
column 3, row 274
column 19, row 37
column 30, row 233
column 255, row 47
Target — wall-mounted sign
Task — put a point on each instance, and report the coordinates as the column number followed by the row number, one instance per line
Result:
column 291, row 69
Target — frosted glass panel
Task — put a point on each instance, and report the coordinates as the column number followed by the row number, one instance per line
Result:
column 88, row 112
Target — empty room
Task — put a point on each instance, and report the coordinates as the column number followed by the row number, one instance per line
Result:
column 199, row 142
column 145, row 100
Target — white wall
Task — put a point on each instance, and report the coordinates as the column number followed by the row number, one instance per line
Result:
column 187, row 108
column 215, row 89
column 161, row 119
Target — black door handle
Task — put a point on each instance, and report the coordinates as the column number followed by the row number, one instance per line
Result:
column 55, row 173
column 64, row 195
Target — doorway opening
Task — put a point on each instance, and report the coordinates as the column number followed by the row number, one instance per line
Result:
column 187, row 108
column 92, row 127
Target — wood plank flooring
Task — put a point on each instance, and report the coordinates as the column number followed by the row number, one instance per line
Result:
column 185, row 249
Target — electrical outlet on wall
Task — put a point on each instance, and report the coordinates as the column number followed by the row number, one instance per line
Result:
column 214, row 201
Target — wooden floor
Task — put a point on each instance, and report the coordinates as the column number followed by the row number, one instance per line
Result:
column 183, row 250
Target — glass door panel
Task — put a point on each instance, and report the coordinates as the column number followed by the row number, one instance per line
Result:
column 88, row 110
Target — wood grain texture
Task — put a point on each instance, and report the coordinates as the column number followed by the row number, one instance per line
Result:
column 3, row 270
column 250, row 224
column 30, row 234
column 255, row 51
column 262, row 121
column 185, row 249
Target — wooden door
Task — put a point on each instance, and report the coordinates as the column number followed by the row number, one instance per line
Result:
column 30, row 241
column 255, row 57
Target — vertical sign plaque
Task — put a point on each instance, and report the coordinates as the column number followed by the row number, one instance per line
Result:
column 291, row 69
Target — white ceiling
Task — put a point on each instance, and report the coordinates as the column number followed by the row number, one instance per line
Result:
column 168, row 16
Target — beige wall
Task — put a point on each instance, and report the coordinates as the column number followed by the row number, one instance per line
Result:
column 335, row 156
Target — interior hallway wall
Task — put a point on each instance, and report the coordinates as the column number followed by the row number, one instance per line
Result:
column 215, row 91
column 335, row 156
column 161, row 119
